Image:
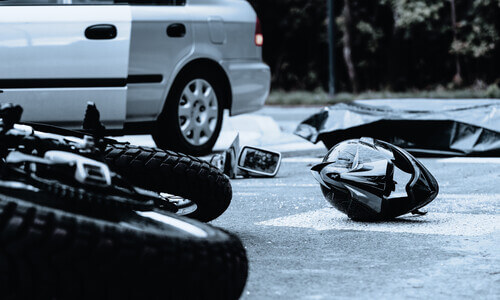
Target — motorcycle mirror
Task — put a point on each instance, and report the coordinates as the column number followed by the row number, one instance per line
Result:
column 218, row 161
column 259, row 162
column 231, row 157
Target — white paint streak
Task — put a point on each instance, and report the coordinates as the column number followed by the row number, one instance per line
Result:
column 245, row 194
column 432, row 223
column 315, row 160
column 470, row 160
column 141, row 140
column 296, row 184
column 296, row 146
column 452, row 160
column 470, row 197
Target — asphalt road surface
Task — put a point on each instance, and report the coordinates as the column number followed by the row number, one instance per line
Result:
column 301, row 248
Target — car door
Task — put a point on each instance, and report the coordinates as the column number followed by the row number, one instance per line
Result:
column 54, row 57
column 161, row 40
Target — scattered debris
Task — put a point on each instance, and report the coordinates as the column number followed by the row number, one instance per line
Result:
column 472, row 130
column 247, row 162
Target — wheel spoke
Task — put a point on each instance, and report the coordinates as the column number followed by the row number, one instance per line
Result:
column 184, row 110
column 207, row 129
column 198, row 90
column 190, row 96
column 212, row 112
column 208, row 95
column 186, row 127
column 198, row 111
column 196, row 135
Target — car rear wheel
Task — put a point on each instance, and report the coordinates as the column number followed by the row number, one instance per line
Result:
column 192, row 117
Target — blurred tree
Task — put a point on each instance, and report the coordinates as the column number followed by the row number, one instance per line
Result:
column 345, row 21
column 478, row 39
column 295, row 41
column 457, row 79
column 478, row 33
column 392, row 44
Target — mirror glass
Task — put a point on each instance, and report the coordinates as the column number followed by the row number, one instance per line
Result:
column 259, row 161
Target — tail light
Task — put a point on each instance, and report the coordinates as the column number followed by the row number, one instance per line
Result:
column 259, row 37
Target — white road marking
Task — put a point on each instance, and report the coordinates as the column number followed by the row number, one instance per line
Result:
column 431, row 224
column 451, row 160
column 297, row 184
column 288, row 185
column 470, row 160
column 470, row 197
column 296, row 146
column 315, row 160
column 245, row 194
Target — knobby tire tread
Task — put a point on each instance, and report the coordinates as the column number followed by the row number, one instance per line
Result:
column 46, row 253
column 174, row 173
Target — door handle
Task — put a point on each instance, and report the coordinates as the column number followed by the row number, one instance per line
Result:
column 176, row 30
column 101, row 32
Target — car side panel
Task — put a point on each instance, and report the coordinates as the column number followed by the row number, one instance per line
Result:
column 66, row 106
column 152, row 52
column 238, row 55
column 218, row 30
column 238, row 21
column 49, row 42
column 249, row 77
column 250, row 82
column 52, row 69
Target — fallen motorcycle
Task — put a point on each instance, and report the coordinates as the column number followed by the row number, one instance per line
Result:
column 198, row 189
column 72, row 228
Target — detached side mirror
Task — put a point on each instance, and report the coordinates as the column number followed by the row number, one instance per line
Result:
column 259, row 162
column 230, row 158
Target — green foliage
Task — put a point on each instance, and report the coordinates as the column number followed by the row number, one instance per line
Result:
column 295, row 41
column 478, row 35
column 370, row 34
column 408, row 13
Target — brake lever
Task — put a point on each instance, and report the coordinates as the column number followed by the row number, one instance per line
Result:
column 16, row 157
column 10, row 115
column 87, row 171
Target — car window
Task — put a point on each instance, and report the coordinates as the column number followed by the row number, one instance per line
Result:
column 153, row 2
column 92, row 2
column 53, row 2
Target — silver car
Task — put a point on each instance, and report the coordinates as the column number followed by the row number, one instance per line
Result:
column 166, row 67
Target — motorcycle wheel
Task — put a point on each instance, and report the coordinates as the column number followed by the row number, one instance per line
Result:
column 204, row 191
column 49, row 253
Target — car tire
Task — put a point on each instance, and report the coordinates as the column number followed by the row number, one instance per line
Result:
column 173, row 173
column 192, row 117
column 48, row 253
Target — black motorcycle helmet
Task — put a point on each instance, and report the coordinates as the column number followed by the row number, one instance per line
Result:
column 357, row 178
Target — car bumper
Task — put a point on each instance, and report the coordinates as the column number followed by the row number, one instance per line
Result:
column 250, row 82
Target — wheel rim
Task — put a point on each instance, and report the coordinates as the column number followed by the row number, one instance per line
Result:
column 184, row 206
column 165, row 222
column 198, row 112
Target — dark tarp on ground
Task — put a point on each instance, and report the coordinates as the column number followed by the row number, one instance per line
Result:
column 430, row 128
